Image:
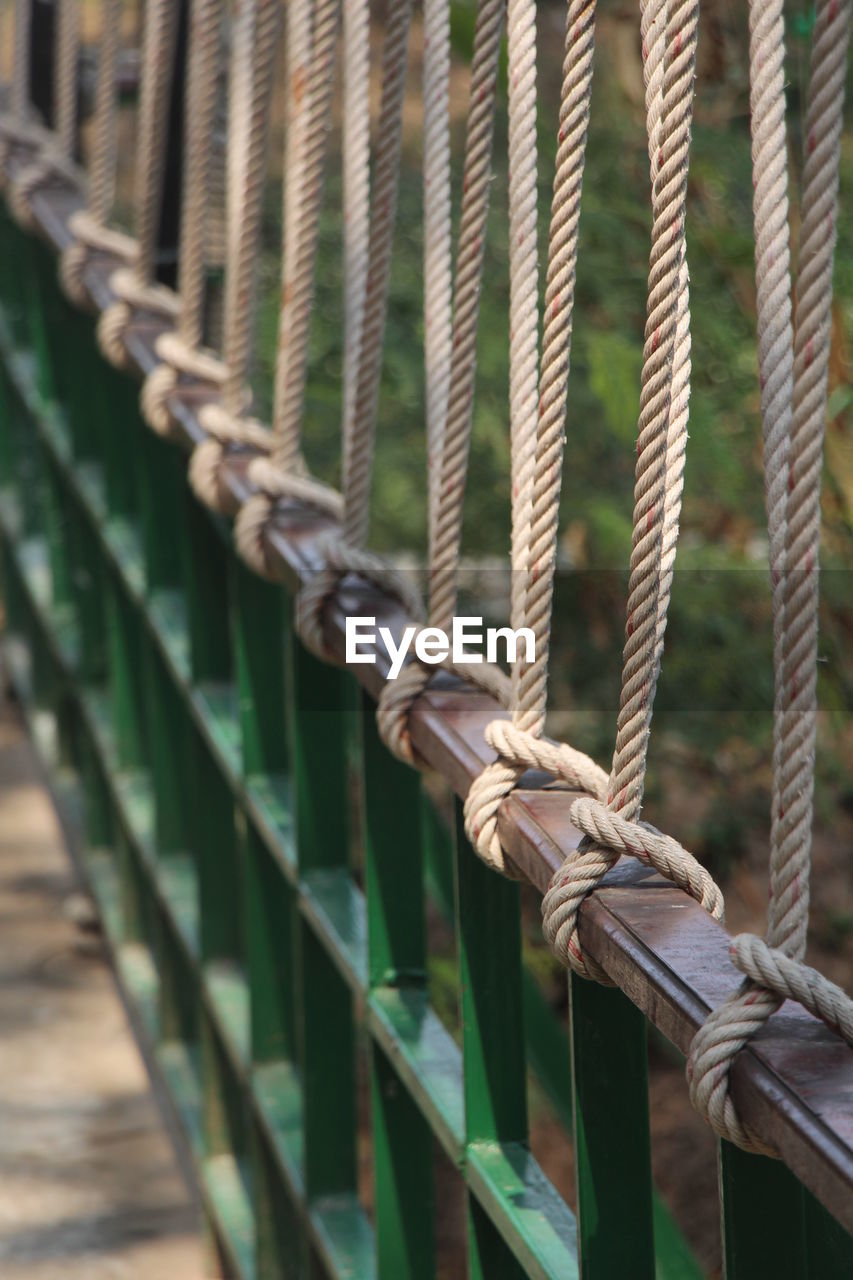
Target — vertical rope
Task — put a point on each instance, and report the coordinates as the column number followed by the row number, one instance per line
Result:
column 137, row 287
column 55, row 154
column 523, row 298
column 306, row 182
column 356, row 192
column 89, row 226
column 202, row 91
column 358, row 448
column 476, row 184
column 253, row 46
column 20, row 96
column 255, row 35
column 613, row 828
column 102, row 171
column 299, row 69
column 280, row 477
column 438, row 312
column 181, row 350
column 161, row 24
column 556, row 351
column 794, row 385
column 65, row 91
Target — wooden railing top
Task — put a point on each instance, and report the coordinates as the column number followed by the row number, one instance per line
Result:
column 793, row 1083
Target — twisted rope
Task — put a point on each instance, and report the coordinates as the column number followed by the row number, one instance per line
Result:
column 304, row 164
column 254, row 38
column 55, row 157
column 135, row 287
column 179, row 352
column 89, row 227
column 539, row 416
column 16, row 124
column 794, row 418
column 438, row 299
column 447, row 474
column 346, row 551
column 611, row 829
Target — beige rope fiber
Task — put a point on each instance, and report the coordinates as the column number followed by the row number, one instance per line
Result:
column 16, row 122
column 181, row 351
column 544, row 415
column 89, row 226
column 20, row 96
column 438, row 287
column 449, row 416
column 273, row 481
column 613, row 828
column 345, row 552
column 135, row 286
column 310, row 81
column 793, row 372
column 254, row 37
column 55, row 157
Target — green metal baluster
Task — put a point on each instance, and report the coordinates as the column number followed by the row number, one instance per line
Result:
column 611, row 1107
column 829, row 1247
column 402, row 1142
column 323, row 1000
column 489, row 943
column 258, row 625
column 206, row 574
column 763, row 1218
column 125, row 661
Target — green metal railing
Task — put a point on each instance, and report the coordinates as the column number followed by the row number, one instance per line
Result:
column 265, row 869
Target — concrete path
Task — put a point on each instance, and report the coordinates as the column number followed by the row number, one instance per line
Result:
column 89, row 1185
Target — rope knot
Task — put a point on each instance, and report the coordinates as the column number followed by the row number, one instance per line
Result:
column 607, row 836
column 229, row 435
column 90, row 236
column 519, row 750
column 179, row 359
column 343, row 559
column 131, row 294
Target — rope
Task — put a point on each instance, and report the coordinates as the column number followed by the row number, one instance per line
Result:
column 134, row 287
column 447, row 471
column 438, row 307
column 89, row 226
column 538, row 414
column 611, row 829
column 344, row 552
column 56, row 155
column 254, row 38
column 16, row 124
column 283, row 478
column 793, row 372
column 180, row 351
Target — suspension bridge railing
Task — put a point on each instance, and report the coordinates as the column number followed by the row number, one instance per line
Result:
column 263, row 867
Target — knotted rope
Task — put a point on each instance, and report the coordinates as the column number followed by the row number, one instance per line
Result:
column 512, row 741
column 55, row 157
column 450, row 407
column 345, row 552
column 310, row 78
column 89, row 226
column 613, row 828
column 793, row 371
column 254, row 37
column 16, row 123
column 181, row 351
column 135, row 286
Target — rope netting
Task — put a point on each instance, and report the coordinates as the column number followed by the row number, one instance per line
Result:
column 793, row 356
